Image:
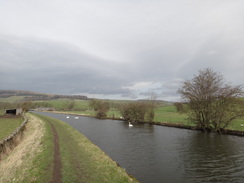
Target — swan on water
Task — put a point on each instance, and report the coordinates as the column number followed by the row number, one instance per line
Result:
column 130, row 124
column 76, row 117
column 67, row 117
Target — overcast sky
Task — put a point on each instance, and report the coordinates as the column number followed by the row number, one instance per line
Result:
column 118, row 49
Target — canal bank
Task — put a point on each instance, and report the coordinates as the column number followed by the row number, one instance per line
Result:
column 155, row 153
column 76, row 159
column 177, row 125
column 53, row 151
column 174, row 125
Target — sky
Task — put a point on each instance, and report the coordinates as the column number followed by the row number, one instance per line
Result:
column 118, row 49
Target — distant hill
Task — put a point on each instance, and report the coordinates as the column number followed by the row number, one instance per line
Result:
column 28, row 95
column 10, row 93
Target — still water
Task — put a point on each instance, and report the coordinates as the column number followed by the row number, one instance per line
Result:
column 156, row 154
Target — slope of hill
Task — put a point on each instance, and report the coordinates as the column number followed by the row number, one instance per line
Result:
column 28, row 95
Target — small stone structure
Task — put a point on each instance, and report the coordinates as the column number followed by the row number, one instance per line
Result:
column 13, row 111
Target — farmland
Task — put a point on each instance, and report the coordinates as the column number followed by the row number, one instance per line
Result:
column 164, row 111
column 8, row 125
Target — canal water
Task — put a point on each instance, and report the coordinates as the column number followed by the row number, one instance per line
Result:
column 157, row 154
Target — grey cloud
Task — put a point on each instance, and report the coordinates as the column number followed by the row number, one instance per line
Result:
column 167, row 90
column 102, row 47
column 55, row 68
column 221, row 54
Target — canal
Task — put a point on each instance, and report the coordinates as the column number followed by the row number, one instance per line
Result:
column 157, row 154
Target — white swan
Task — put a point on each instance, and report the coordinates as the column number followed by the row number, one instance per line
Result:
column 130, row 125
column 67, row 117
column 76, row 117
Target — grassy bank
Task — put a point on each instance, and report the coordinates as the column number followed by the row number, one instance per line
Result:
column 81, row 160
column 26, row 162
column 8, row 125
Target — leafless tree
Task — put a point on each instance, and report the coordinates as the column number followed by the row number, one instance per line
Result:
column 151, row 104
column 139, row 111
column 179, row 107
column 101, row 107
column 212, row 103
column 70, row 104
column 26, row 106
column 133, row 111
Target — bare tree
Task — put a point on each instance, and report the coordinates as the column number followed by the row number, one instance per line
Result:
column 137, row 112
column 26, row 106
column 70, row 104
column 134, row 111
column 179, row 107
column 101, row 107
column 212, row 103
column 151, row 105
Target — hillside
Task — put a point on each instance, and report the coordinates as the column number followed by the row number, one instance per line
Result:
column 29, row 95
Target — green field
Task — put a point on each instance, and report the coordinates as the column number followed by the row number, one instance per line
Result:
column 170, row 115
column 1, row 112
column 12, row 99
column 163, row 113
column 9, row 125
column 62, row 104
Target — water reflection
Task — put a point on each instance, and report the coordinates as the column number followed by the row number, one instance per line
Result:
column 213, row 158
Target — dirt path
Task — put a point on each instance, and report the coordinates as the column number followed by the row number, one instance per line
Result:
column 38, row 157
column 57, row 175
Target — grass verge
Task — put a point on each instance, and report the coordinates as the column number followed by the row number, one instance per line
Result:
column 8, row 125
column 82, row 161
column 28, row 161
column 33, row 159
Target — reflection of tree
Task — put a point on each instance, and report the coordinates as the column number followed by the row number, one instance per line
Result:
column 134, row 148
column 213, row 158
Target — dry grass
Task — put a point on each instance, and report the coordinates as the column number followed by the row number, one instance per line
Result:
column 19, row 161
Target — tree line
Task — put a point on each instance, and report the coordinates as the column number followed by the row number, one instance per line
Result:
column 207, row 99
column 25, row 105
column 132, row 111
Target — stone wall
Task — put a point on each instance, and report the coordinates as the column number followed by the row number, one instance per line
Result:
column 11, row 141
